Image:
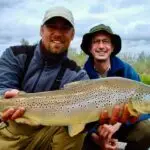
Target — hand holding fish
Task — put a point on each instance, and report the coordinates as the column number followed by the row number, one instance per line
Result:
column 105, row 131
column 116, row 117
column 12, row 113
column 103, row 136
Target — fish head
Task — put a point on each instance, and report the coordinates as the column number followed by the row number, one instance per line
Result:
column 140, row 102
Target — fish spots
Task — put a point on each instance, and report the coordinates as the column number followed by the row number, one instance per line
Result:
column 82, row 106
column 68, row 111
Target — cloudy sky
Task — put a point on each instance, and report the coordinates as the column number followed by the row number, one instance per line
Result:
column 128, row 18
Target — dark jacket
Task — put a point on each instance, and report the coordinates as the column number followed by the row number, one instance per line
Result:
column 118, row 68
column 40, row 74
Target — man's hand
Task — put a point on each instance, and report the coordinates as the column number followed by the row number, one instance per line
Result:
column 103, row 136
column 116, row 117
column 105, row 131
column 12, row 113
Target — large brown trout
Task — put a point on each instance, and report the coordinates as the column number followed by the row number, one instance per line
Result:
column 80, row 102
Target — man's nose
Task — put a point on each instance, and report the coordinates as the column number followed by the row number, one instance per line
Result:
column 101, row 44
column 58, row 31
column 58, row 35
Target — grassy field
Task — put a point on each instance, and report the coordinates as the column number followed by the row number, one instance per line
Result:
column 145, row 78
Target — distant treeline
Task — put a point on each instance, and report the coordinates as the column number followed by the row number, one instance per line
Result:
column 141, row 64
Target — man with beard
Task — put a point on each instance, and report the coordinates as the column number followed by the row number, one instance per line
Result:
column 42, row 67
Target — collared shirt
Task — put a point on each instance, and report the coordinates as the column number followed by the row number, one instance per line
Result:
column 117, row 68
column 104, row 74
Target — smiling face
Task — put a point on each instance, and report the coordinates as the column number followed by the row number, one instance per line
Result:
column 57, row 33
column 101, row 46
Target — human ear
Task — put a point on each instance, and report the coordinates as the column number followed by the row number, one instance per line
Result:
column 73, row 33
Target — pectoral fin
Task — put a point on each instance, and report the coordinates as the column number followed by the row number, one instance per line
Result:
column 132, row 110
column 75, row 129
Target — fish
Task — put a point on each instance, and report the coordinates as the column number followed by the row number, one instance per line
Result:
column 80, row 102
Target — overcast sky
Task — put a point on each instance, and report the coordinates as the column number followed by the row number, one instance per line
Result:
column 128, row 18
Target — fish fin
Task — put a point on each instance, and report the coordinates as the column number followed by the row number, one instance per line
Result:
column 75, row 129
column 131, row 109
column 27, row 121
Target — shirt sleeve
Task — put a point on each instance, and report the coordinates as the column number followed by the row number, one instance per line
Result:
column 10, row 71
column 81, row 75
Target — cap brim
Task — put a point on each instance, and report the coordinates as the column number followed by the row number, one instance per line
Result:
column 64, row 16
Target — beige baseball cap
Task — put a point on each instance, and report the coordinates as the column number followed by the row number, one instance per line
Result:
column 59, row 12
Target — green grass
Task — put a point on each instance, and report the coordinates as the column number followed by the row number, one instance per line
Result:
column 145, row 78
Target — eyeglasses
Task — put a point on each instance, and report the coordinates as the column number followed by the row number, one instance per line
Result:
column 104, row 41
